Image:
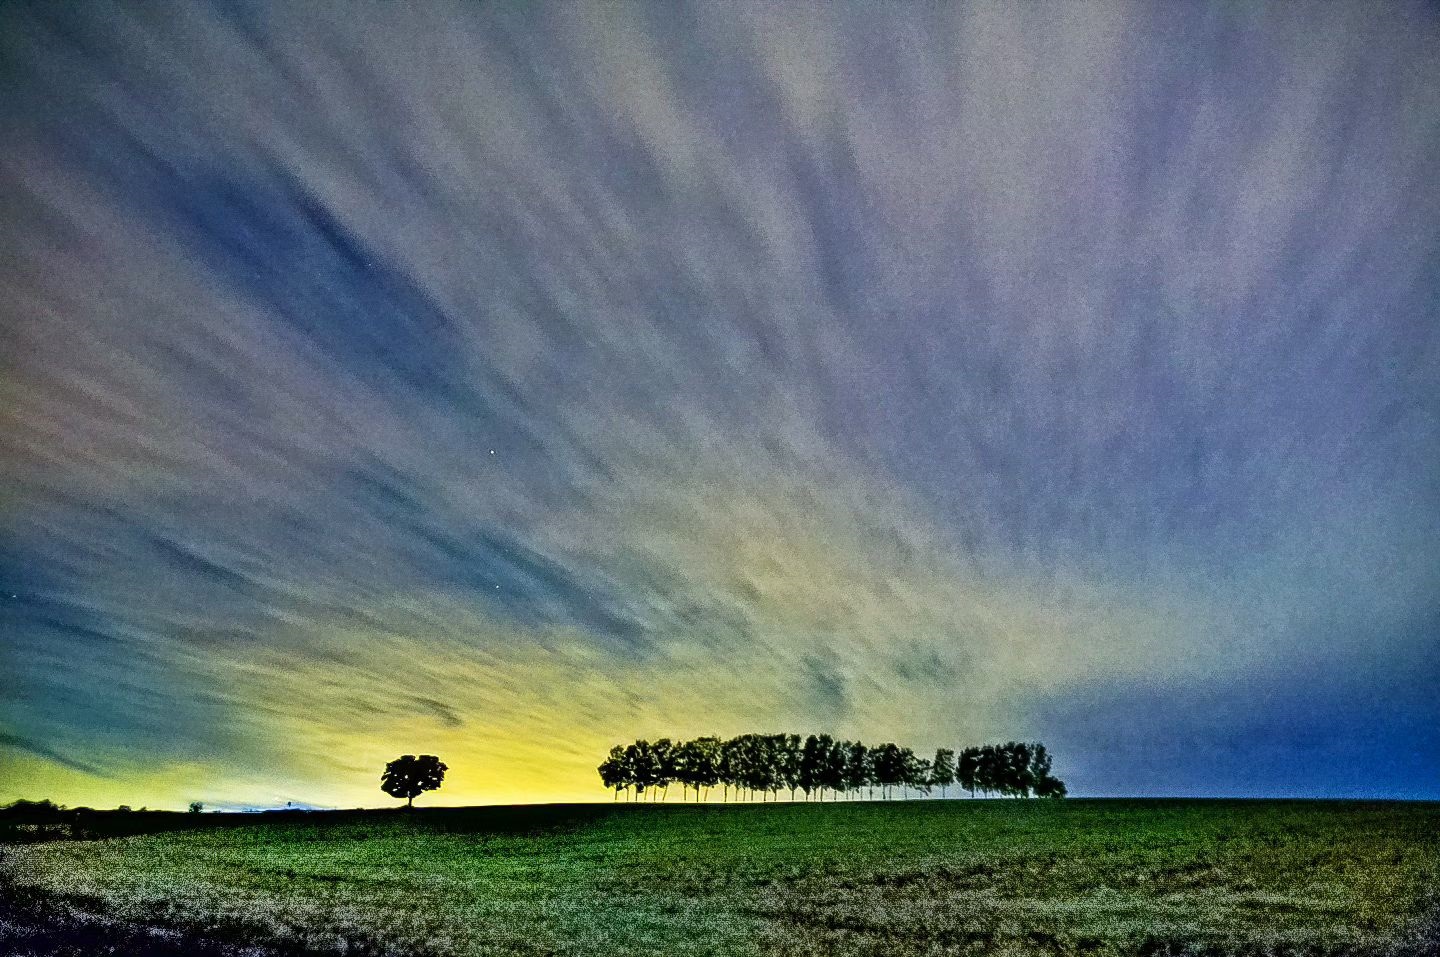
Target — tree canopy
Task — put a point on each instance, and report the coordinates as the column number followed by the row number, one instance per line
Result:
column 409, row 776
column 817, row 765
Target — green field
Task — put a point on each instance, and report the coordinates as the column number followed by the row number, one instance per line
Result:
column 923, row 877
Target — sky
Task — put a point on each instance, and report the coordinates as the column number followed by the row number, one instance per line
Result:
column 506, row 381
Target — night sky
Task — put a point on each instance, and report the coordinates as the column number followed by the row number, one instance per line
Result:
column 505, row 381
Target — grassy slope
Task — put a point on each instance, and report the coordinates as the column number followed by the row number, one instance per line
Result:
column 991, row 877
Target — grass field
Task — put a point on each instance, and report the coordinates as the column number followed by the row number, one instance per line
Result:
column 924, row 877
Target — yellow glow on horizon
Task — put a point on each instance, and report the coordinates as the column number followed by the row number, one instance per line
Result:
column 919, row 651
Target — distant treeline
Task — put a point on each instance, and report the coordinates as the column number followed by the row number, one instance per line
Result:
column 769, row 764
column 24, row 822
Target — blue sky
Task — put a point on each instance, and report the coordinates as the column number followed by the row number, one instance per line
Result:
column 505, row 381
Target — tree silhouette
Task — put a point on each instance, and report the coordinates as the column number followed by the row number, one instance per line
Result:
column 696, row 764
column 917, row 772
column 613, row 771
column 812, row 756
column 644, row 767
column 942, row 769
column 1046, row 784
column 989, row 773
column 705, row 767
column 889, row 767
column 789, row 757
column 769, row 763
column 761, row 773
column 730, row 764
column 1050, row 788
column 832, row 767
column 967, row 770
column 408, row 776
column 664, row 750
column 1022, row 778
column 914, row 773
column 858, row 767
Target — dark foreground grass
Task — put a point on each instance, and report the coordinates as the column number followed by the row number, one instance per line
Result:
column 956, row 877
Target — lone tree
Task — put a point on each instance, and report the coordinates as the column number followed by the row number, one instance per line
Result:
column 408, row 776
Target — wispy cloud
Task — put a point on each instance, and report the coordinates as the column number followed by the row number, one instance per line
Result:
column 525, row 376
column 49, row 754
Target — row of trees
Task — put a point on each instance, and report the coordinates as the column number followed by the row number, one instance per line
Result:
column 769, row 764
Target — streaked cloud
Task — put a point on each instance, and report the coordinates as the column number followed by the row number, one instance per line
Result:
column 505, row 381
